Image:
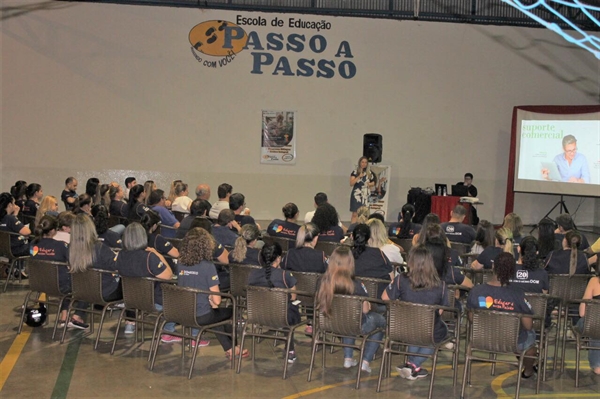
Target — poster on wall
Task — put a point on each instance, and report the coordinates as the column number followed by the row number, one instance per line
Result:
column 278, row 138
column 378, row 197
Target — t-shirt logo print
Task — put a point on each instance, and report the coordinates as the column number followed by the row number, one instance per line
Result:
column 522, row 274
column 450, row 229
column 485, row 301
column 277, row 228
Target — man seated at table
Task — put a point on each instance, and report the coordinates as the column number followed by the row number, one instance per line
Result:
column 471, row 192
column 456, row 230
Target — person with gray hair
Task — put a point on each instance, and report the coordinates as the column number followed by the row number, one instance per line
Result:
column 203, row 192
column 572, row 166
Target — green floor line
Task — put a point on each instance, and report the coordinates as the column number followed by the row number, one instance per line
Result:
column 61, row 387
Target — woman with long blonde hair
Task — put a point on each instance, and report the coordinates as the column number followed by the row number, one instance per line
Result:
column 379, row 239
column 49, row 206
column 339, row 280
column 245, row 251
column 503, row 241
column 361, row 181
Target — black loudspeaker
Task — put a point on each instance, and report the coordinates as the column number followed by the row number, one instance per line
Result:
column 373, row 147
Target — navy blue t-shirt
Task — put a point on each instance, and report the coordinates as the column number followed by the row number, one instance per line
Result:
column 202, row 276
column 373, row 263
column 252, row 257
column 530, row 280
column 283, row 228
column 55, row 251
column 395, row 230
column 280, row 278
column 118, row 208
column 557, row 262
column 304, row 259
column 141, row 263
column 334, row 234
column 488, row 256
column 18, row 244
column 459, row 232
column 224, row 235
column 68, row 194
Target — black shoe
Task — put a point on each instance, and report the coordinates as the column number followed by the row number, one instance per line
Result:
column 535, row 370
column 78, row 324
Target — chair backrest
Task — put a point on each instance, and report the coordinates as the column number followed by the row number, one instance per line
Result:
column 451, row 292
column 176, row 242
column 138, row 293
column 568, row 288
column 238, row 277
column 327, row 247
column 285, row 243
column 179, row 304
column 345, row 317
column 405, row 243
column 495, row 331
column 460, row 247
column 420, row 329
column 43, row 276
column 179, row 215
column 307, row 282
column 591, row 325
column 539, row 303
column 267, row 306
column 372, row 285
column 87, row 286
column 115, row 220
column 5, row 249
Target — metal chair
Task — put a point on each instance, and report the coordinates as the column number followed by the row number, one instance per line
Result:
column 405, row 243
column 454, row 320
column 477, row 276
column 567, row 289
column 115, row 220
column 238, row 275
column 179, row 306
column 460, row 247
column 413, row 324
column 373, row 285
column 539, row 303
column 43, row 277
column 268, row 309
column 327, row 247
column 345, row 321
column 176, row 242
column 591, row 331
column 179, row 215
column 6, row 252
column 87, row 287
column 285, row 243
column 494, row 332
column 307, row 282
column 138, row 295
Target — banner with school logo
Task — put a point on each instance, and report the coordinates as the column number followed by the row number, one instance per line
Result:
column 278, row 138
column 378, row 197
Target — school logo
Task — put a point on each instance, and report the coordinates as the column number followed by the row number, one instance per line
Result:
column 277, row 228
column 215, row 43
column 449, row 229
column 522, row 274
column 34, row 250
column 215, row 277
column 181, row 272
column 485, row 301
column 395, row 231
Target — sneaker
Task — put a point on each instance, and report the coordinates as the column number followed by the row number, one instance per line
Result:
column 365, row 367
column 167, row 338
column 78, row 324
column 129, row 328
column 308, row 330
column 410, row 372
column 291, row 357
column 350, row 363
column 449, row 345
column 201, row 343
column 535, row 370
column 404, row 371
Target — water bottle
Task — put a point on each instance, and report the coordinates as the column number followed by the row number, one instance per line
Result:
column 445, row 193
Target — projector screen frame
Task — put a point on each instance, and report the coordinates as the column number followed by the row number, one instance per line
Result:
column 541, row 109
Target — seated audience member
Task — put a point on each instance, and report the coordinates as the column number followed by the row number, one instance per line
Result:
column 593, row 252
column 65, row 220
column 502, row 243
column 225, row 231
column 513, row 222
column 443, row 264
column 320, row 199
column 547, row 238
column 107, row 236
column 570, row 259
column 244, row 251
column 88, row 251
column 362, row 215
column 198, row 271
column 49, row 206
column 171, row 197
column 434, row 230
column 224, row 192
column 221, row 254
column 379, row 239
column 421, row 285
column 129, row 183
column 92, row 188
column 529, row 276
column 34, row 197
column 69, row 194
column 83, row 205
column 592, row 291
column 377, row 216
column 304, row 257
column 565, row 224
column 19, row 193
column 19, row 245
column 484, row 236
column 149, row 186
column 203, row 192
column 136, row 207
column 456, row 230
column 287, row 228
column 43, row 247
column 430, row 218
column 117, row 206
column 326, row 219
column 105, row 195
column 182, row 201
column 272, row 276
column 198, row 208
column 501, row 292
column 370, row 262
column 237, row 202
column 150, row 221
column 339, row 279
column 405, row 228
column 157, row 203
column 137, row 260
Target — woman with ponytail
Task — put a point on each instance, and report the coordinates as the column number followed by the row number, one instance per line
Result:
column 568, row 260
column 503, row 243
column 305, row 258
column 272, row 276
column 368, row 261
column 405, row 228
column 244, row 251
column 34, row 194
column 497, row 292
column 136, row 207
column 9, row 223
column 529, row 276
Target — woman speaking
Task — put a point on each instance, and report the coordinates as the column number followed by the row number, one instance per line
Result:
column 361, row 181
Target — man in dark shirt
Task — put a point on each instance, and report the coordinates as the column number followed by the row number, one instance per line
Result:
column 198, row 208
column 456, row 230
column 227, row 229
column 471, row 192
column 69, row 195
column 565, row 224
column 237, row 203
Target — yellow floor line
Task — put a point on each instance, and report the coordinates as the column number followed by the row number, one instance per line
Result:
column 12, row 355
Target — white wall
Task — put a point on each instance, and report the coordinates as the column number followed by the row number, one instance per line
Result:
column 111, row 91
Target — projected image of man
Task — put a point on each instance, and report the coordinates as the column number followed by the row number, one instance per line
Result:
column 572, row 166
